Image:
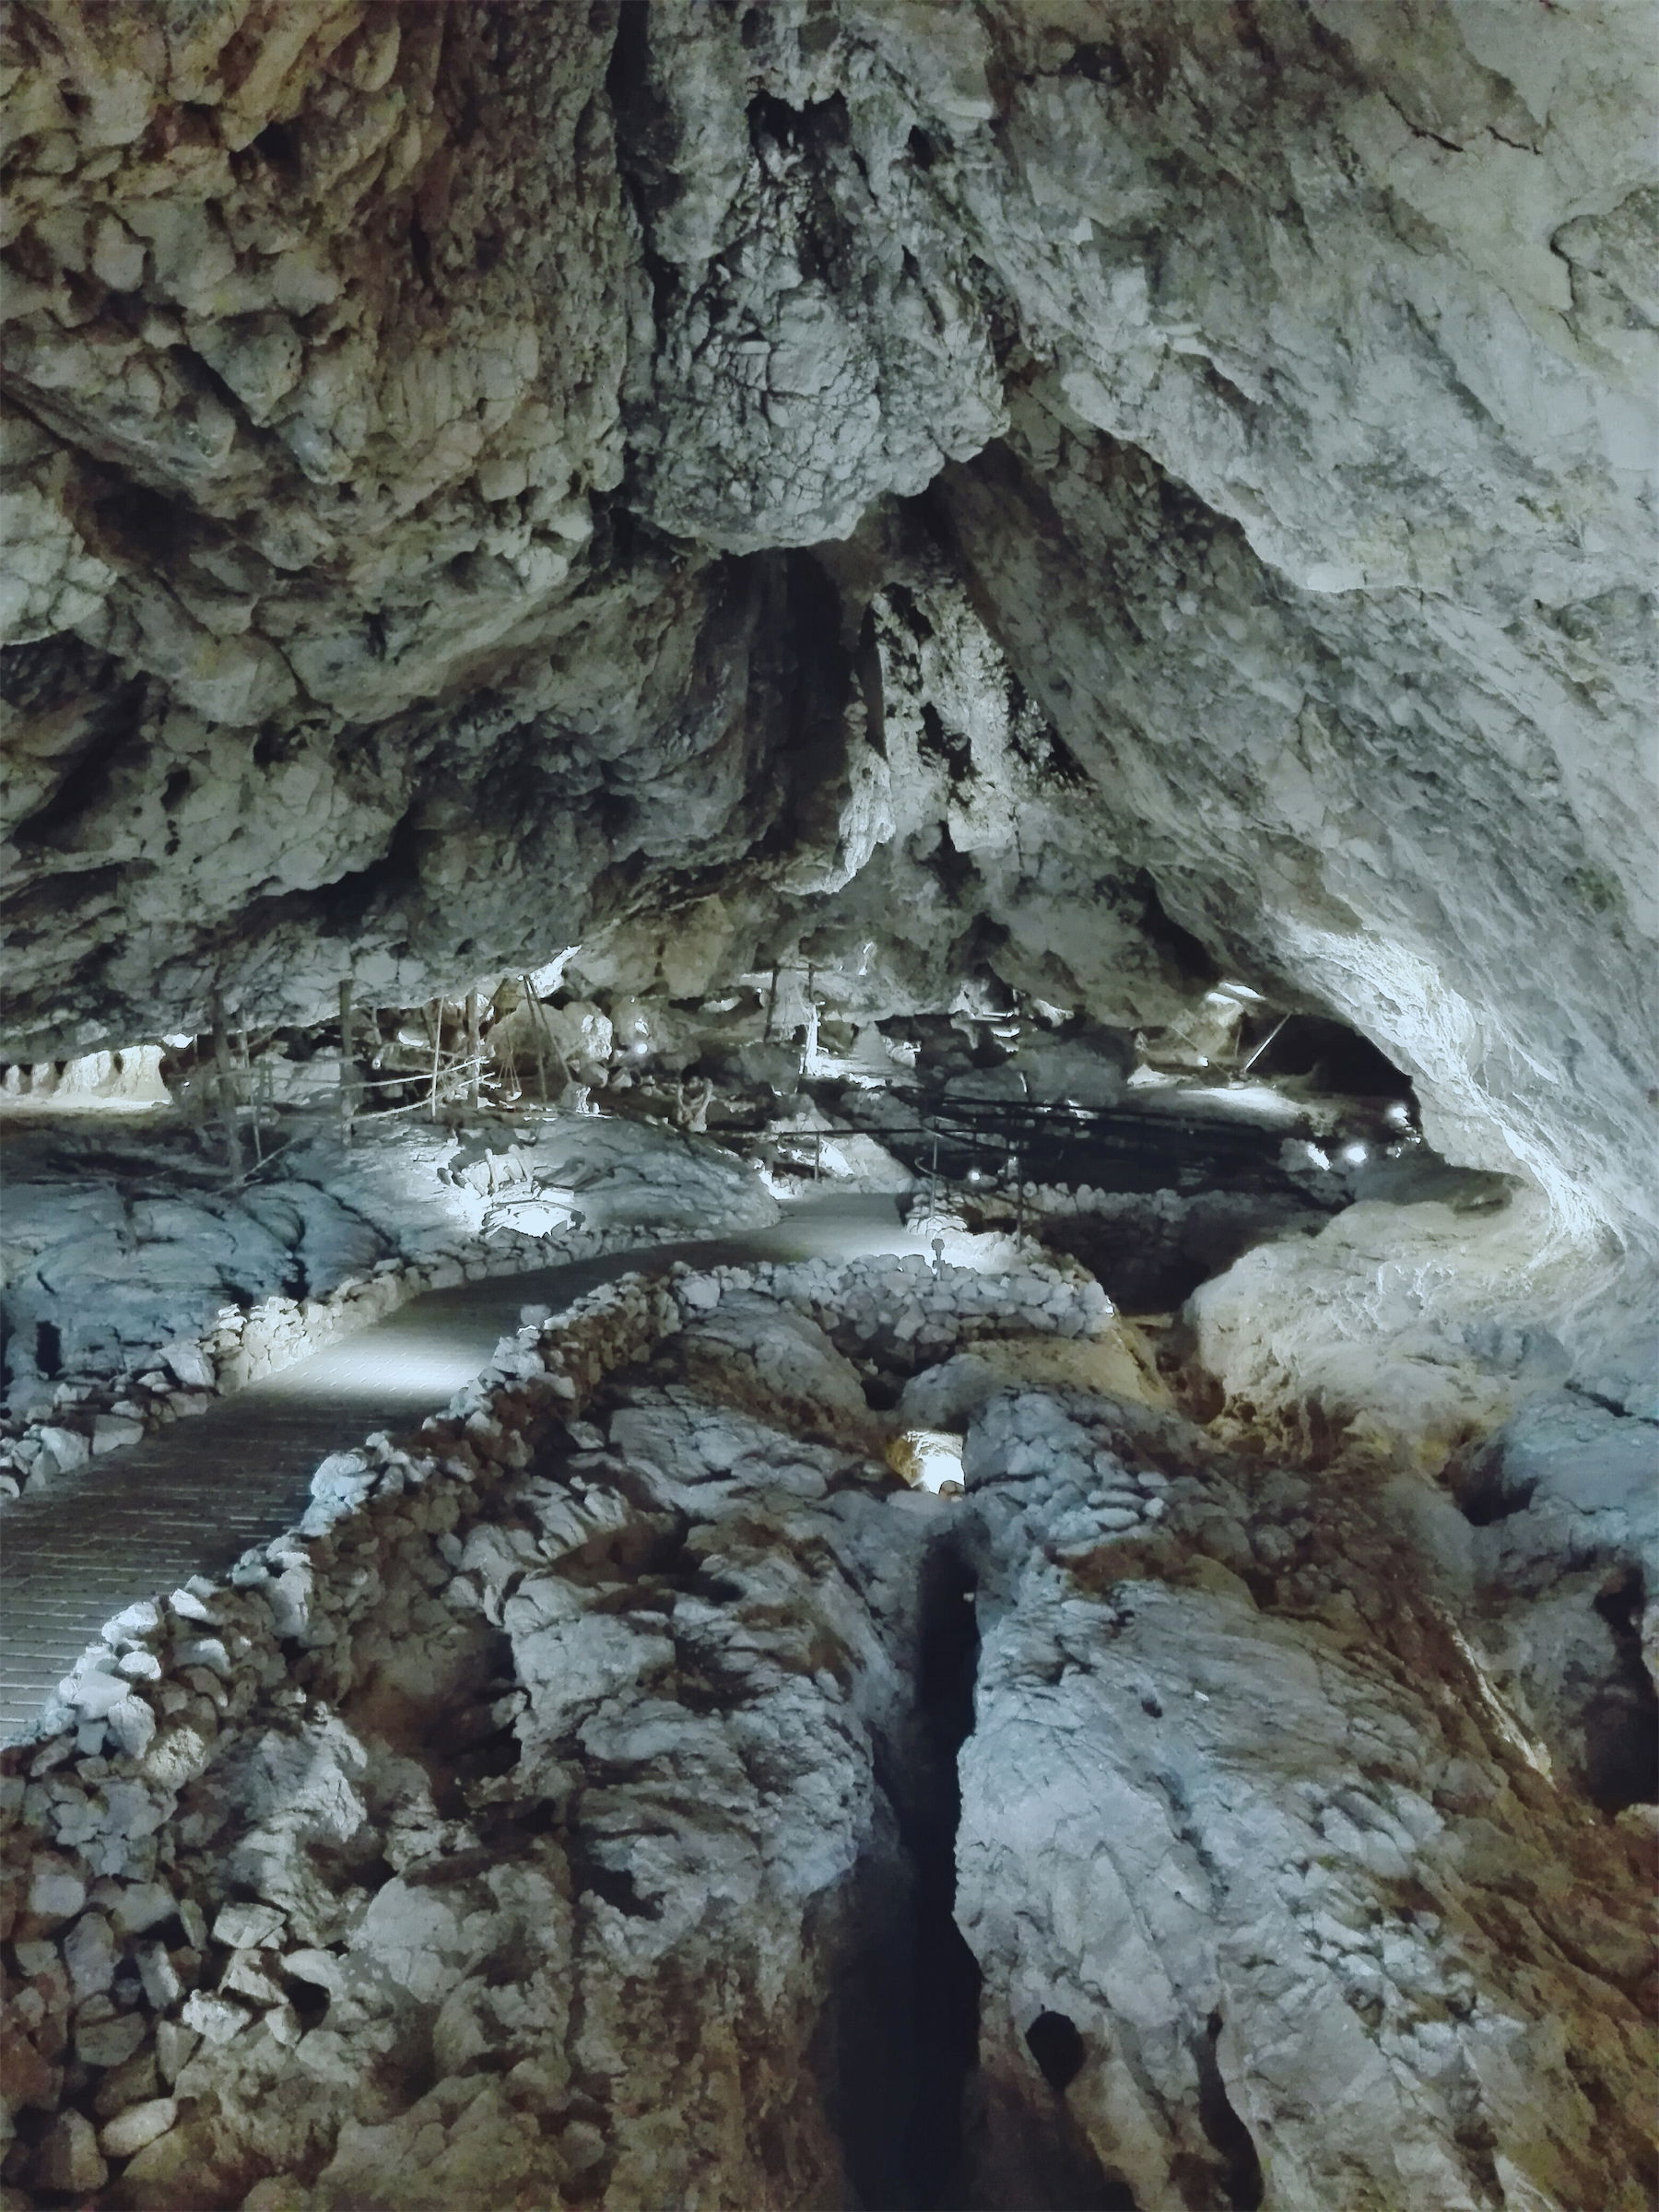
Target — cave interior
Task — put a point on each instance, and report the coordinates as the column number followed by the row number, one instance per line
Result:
column 826, row 1367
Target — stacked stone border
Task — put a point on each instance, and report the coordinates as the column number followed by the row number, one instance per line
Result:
column 247, row 1344
column 109, row 1959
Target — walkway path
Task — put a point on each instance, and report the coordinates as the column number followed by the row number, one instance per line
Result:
column 191, row 1499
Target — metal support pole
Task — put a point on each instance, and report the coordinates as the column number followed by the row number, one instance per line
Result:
column 348, row 1073
column 437, row 1017
column 535, row 1015
column 1266, row 1040
column 472, row 1048
column 226, row 1085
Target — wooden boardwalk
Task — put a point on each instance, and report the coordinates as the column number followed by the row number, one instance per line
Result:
column 195, row 1496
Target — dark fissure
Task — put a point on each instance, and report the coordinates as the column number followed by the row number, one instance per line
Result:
column 1241, row 2179
column 907, row 2025
column 948, row 1978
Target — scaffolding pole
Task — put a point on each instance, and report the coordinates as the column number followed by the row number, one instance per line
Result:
column 347, row 1085
column 225, row 1086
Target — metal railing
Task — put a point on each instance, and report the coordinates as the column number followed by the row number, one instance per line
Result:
column 1116, row 1148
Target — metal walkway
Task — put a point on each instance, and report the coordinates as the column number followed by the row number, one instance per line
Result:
column 195, row 1496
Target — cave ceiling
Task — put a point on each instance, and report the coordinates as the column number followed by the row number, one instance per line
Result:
column 1090, row 494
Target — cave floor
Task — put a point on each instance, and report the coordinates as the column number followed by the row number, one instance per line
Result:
column 191, row 1499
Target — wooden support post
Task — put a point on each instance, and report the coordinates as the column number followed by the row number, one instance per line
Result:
column 512, row 1074
column 247, row 1062
column 472, row 1048
column 347, row 1072
column 437, row 1021
column 541, row 1058
column 226, row 1085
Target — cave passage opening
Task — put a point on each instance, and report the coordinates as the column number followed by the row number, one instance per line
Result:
column 1056, row 2044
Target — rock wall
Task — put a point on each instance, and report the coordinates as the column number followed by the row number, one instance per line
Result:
column 258, row 1804
column 138, row 1283
column 1127, row 485
column 1246, row 1832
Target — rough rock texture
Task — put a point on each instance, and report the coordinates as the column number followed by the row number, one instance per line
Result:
column 523, row 1743
column 1567, row 1521
column 564, row 1812
column 1266, row 1944
column 423, row 417
column 857, row 508
column 1425, row 1323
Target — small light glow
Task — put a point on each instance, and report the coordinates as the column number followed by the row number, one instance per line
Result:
column 376, row 1366
column 1318, row 1158
column 928, row 1459
column 1356, row 1155
column 1398, row 1115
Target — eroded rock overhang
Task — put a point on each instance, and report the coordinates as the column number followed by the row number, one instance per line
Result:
column 475, row 474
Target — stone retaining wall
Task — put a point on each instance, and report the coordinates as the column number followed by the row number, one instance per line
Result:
column 116, row 1972
column 247, row 1344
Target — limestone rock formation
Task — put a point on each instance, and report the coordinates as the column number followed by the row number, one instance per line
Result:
column 1214, row 1975
column 429, row 433
column 696, row 542
column 571, row 1808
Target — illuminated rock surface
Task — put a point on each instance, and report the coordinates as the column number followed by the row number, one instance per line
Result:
column 741, row 537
